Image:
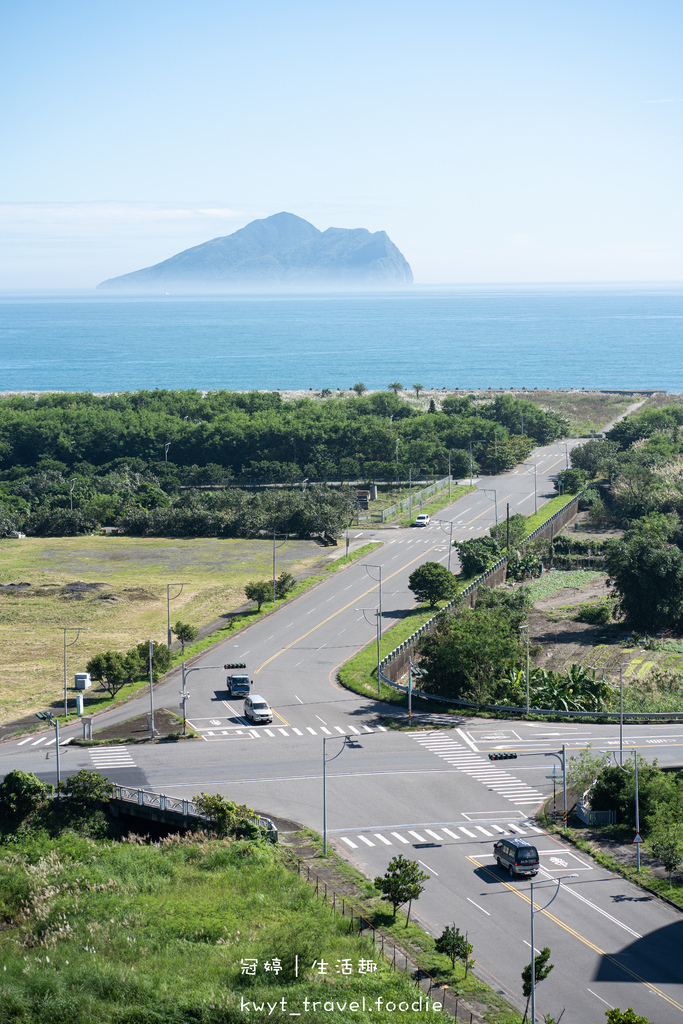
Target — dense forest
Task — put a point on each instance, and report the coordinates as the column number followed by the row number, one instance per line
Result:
column 175, row 463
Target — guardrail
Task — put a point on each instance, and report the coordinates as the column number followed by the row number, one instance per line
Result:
column 428, row 626
column 405, row 503
column 177, row 805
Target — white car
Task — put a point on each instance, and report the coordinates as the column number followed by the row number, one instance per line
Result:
column 422, row 519
column 257, row 709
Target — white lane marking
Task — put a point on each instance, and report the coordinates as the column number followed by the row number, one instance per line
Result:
column 499, row 829
column 478, row 907
column 53, row 740
column 353, row 729
column 340, row 730
column 354, row 846
column 485, row 832
column 382, row 728
column 600, row 998
column 256, row 735
column 382, row 839
column 312, row 731
column 283, row 731
column 400, row 838
column 514, row 828
column 434, row 835
column 435, row 873
column 299, row 699
column 27, row 740
column 368, row 842
column 449, row 833
column 41, row 740
column 367, row 728
column 297, row 731
column 463, row 736
column 326, row 730
column 417, row 836
column 269, row 732
column 467, row 832
column 321, row 719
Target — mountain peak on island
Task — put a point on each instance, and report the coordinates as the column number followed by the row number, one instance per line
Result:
column 282, row 251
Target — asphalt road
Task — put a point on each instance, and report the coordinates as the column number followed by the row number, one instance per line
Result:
column 432, row 795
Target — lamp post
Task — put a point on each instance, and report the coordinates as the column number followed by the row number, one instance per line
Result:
column 528, row 469
column 442, row 523
column 539, row 910
column 345, row 742
column 526, row 627
column 366, row 566
column 378, row 614
column 449, row 476
column 47, row 716
column 486, row 491
column 168, row 608
column 78, row 630
column 71, row 493
column 184, row 695
column 621, row 668
column 286, row 536
column 166, row 447
column 635, row 774
column 151, row 687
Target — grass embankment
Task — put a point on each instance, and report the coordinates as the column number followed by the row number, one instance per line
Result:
column 435, row 504
column 587, row 411
column 131, row 933
column 128, row 607
column 546, row 511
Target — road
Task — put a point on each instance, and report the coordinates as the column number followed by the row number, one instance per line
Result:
column 432, row 795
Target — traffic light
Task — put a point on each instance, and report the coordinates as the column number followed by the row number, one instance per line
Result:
column 503, row 755
column 236, row 664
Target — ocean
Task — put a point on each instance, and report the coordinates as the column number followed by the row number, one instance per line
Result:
column 623, row 337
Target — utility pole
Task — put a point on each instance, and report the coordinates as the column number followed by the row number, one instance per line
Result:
column 65, row 630
column 168, row 609
column 449, row 474
column 151, row 684
column 507, row 527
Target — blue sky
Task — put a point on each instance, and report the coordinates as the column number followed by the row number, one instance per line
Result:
column 493, row 141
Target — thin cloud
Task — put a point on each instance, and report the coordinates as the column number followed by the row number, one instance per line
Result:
column 671, row 99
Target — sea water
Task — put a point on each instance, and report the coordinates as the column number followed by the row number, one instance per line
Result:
column 624, row 337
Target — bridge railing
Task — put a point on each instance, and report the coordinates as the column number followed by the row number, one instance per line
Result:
column 178, row 805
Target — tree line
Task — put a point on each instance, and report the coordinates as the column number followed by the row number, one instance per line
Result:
column 168, row 462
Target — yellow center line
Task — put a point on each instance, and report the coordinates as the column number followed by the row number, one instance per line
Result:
column 284, row 722
column 486, row 509
column 581, row 938
column 340, row 610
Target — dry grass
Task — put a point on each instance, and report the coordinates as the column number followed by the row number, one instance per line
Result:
column 586, row 411
column 130, row 606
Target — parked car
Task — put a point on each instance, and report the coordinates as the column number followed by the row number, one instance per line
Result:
column 517, row 855
column 257, row 709
column 422, row 519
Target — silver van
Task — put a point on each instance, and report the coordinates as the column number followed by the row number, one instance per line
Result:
column 517, row 855
column 256, row 709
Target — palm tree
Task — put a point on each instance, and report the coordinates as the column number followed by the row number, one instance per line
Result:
column 395, row 387
column 417, row 388
column 359, row 388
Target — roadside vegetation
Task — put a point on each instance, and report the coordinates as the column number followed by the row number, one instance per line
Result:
column 194, row 929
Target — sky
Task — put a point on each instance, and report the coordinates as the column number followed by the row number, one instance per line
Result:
column 494, row 141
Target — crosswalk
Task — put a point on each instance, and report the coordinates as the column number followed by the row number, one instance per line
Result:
column 111, row 757
column 474, row 765
column 224, row 731
column 429, row 836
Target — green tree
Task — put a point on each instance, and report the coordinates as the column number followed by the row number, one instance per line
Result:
column 455, row 946
column 582, row 771
column 514, row 527
column 478, row 554
column 109, row 669
column 648, row 578
column 283, row 584
column 667, row 845
column 396, row 386
column 186, row 633
column 417, row 388
column 541, row 971
column 401, row 883
column 259, row 591
column 570, row 481
column 359, row 388
column 21, row 793
column 87, row 788
column 618, row 1016
column 432, row 582
column 227, row 818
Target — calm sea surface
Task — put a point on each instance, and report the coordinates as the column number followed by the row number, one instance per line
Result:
column 554, row 337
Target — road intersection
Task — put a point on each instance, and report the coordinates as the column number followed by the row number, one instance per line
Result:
column 431, row 794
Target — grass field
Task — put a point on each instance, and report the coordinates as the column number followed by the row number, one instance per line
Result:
column 586, row 412
column 129, row 607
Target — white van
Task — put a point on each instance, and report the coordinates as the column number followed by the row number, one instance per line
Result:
column 422, row 519
column 256, row 709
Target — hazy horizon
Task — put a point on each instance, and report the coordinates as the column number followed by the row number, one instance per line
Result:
column 524, row 144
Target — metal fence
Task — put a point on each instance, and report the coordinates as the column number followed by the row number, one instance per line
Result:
column 399, row 959
column 188, row 808
column 589, row 817
column 405, row 503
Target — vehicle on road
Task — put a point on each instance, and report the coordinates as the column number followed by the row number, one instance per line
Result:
column 239, row 685
column 422, row 519
column 517, row 855
column 256, row 709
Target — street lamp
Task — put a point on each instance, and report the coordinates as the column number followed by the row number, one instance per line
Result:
column 78, row 630
column 366, row 566
column 637, row 840
column 71, row 493
column 347, row 741
column 442, row 523
column 378, row 614
column 166, row 447
column 168, row 608
column 526, row 627
column 540, row 910
column 528, row 469
column 621, row 668
column 47, row 716
column 184, row 695
column 151, row 687
column 286, row 536
column 486, row 491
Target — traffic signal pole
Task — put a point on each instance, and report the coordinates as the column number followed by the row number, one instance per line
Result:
column 561, row 755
